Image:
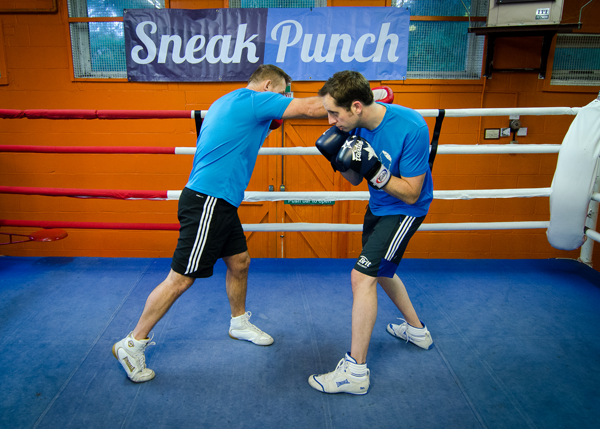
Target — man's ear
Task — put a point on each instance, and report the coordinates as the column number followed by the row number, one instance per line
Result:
column 266, row 84
column 356, row 107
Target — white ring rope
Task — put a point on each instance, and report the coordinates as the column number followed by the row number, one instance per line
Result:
column 592, row 234
column 257, row 196
column 505, row 111
column 445, row 149
column 337, row 227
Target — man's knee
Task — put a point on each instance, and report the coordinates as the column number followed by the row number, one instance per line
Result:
column 238, row 264
column 179, row 283
column 361, row 281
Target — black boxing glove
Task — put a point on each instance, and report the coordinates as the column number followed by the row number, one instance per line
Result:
column 329, row 145
column 357, row 155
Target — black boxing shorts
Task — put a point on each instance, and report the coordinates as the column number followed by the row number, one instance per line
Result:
column 384, row 241
column 209, row 229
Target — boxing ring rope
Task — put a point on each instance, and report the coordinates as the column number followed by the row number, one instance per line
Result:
column 278, row 227
column 257, row 196
column 175, row 114
column 447, row 149
column 279, row 196
column 99, row 114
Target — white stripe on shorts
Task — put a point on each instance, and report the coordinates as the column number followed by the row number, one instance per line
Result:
column 203, row 227
column 400, row 234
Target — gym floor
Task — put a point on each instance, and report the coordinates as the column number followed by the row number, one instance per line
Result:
column 517, row 345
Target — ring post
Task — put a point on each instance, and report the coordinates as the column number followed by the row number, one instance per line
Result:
column 588, row 246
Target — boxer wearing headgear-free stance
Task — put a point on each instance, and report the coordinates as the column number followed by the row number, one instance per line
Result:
column 209, row 224
column 388, row 145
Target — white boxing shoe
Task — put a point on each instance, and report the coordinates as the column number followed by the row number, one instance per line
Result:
column 348, row 377
column 240, row 328
column 130, row 353
column 418, row 336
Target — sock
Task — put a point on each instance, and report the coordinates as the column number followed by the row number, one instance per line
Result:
column 415, row 329
column 356, row 369
column 236, row 322
column 416, row 332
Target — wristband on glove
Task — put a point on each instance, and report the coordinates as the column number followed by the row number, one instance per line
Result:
column 378, row 176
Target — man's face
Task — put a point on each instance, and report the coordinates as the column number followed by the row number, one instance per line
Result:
column 345, row 120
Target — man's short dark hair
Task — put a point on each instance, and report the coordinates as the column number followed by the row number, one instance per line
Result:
column 269, row 71
column 348, row 86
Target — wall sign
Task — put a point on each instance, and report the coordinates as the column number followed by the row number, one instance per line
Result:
column 208, row 45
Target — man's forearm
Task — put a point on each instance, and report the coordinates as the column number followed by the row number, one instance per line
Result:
column 407, row 189
column 310, row 107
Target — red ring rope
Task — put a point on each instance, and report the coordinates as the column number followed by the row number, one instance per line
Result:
column 90, row 225
column 85, row 193
column 89, row 149
column 95, row 114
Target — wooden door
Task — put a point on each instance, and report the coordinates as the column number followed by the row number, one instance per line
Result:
column 296, row 173
column 311, row 173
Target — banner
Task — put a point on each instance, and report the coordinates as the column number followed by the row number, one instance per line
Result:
column 214, row 45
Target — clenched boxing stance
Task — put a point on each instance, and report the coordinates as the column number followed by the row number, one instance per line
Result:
column 388, row 145
column 209, row 224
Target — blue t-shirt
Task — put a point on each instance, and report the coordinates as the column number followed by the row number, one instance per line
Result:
column 232, row 132
column 401, row 142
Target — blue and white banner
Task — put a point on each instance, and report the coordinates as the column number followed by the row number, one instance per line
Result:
column 212, row 45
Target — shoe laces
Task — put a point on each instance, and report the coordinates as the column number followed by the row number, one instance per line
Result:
column 404, row 325
column 410, row 337
column 140, row 355
column 342, row 366
column 247, row 325
column 246, row 320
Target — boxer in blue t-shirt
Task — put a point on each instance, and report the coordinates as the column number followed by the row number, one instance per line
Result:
column 388, row 145
column 233, row 131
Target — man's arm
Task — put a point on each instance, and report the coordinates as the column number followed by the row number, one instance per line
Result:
column 310, row 107
column 357, row 155
column 407, row 189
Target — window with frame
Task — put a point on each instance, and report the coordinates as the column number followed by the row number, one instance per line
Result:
column 97, row 36
column 576, row 60
column 439, row 44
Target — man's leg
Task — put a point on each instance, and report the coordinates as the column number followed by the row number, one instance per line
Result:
column 159, row 301
column 236, row 281
column 351, row 374
column 411, row 329
column 364, row 314
column 396, row 290
column 130, row 350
